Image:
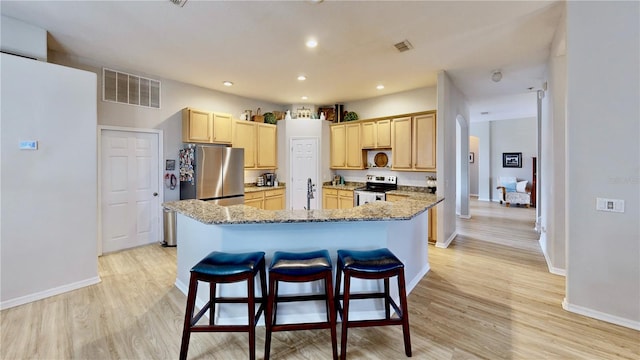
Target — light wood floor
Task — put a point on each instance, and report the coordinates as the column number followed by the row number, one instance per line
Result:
column 489, row 295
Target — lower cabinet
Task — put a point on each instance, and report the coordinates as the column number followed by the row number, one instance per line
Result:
column 266, row 200
column 274, row 199
column 337, row 199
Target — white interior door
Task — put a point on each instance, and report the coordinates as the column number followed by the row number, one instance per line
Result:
column 129, row 189
column 304, row 165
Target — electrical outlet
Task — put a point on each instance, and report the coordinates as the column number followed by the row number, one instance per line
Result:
column 610, row 205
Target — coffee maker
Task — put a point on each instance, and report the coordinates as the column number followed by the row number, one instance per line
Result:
column 269, row 179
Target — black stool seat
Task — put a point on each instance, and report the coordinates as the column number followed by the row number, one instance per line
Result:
column 297, row 268
column 225, row 264
column 374, row 261
column 220, row 268
column 371, row 265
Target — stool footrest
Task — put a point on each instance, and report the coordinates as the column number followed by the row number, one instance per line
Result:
column 220, row 328
column 300, row 326
column 294, row 298
column 374, row 322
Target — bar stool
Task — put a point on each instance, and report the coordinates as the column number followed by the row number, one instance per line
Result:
column 218, row 268
column 300, row 267
column 371, row 264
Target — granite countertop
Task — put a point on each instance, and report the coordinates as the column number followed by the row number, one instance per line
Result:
column 346, row 186
column 209, row 213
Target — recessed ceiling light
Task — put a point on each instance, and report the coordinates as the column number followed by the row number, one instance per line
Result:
column 484, row 113
column 304, row 98
column 380, row 87
column 302, row 78
column 496, row 75
column 227, row 83
column 312, row 43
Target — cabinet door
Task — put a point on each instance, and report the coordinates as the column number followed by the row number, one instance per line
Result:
column 383, row 133
column 256, row 203
column 338, row 149
column 222, row 125
column 266, row 149
column 274, row 199
column 401, row 143
column 369, row 135
column 433, row 224
column 196, row 126
column 424, row 142
column 345, row 199
column 244, row 136
column 329, row 198
column 354, row 150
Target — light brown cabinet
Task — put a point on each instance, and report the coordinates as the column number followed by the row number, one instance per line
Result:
column 267, row 199
column 199, row 126
column 274, row 199
column 376, row 134
column 337, row 199
column 346, row 151
column 413, row 140
column 259, row 142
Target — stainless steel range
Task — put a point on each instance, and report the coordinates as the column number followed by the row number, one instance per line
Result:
column 375, row 189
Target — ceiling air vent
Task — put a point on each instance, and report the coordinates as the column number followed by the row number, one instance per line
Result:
column 403, row 46
column 130, row 89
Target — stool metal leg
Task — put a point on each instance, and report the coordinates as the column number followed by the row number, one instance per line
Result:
column 387, row 310
column 268, row 319
column 331, row 314
column 212, row 303
column 251, row 307
column 345, row 315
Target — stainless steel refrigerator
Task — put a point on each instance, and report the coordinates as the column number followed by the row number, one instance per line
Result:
column 212, row 173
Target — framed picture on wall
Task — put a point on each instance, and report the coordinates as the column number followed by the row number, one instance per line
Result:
column 472, row 157
column 511, row 160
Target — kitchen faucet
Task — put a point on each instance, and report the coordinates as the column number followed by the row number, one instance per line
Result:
column 310, row 190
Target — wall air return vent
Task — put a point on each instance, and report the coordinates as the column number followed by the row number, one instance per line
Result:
column 403, row 46
column 130, row 89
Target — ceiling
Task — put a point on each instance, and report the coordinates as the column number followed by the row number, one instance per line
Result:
column 260, row 46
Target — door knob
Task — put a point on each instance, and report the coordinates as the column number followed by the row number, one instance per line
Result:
column 155, row 194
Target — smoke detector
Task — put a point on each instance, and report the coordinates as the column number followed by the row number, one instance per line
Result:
column 404, row 46
column 179, row 2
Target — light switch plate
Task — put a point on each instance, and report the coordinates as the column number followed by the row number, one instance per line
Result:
column 610, row 205
column 29, row 145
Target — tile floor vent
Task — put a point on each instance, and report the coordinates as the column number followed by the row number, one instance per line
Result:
column 403, row 46
column 130, row 89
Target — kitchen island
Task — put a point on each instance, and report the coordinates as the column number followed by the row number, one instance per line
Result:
column 204, row 227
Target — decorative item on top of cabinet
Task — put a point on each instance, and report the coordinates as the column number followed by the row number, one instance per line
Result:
column 199, row 126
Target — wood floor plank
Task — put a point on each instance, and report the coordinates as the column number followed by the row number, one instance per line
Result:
column 488, row 296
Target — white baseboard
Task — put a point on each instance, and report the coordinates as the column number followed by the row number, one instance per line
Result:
column 48, row 293
column 465, row 216
column 632, row 324
column 446, row 244
column 484, row 199
column 543, row 247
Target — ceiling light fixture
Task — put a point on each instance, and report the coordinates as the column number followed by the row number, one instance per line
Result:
column 227, row 83
column 304, row 98
column 311, row 43
column 496, row 75
column 380, row 87
column 302, row 78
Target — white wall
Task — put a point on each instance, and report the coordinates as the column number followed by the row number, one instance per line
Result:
column 451, row 105
column 422, row 99
column 474, row 146
column 482, row 130
column 175, row 96
column 518, row 135
column 603, row 160
column 552, row 162
column 23, row 39
column 49, row 199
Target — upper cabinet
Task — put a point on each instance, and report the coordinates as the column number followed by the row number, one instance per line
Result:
column 206, row 127
column 413, row 140
column 376, row 134
column 346, row 150
column 259, row 143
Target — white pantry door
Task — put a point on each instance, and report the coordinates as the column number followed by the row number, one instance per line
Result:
column 304, row 165
column 130, row 201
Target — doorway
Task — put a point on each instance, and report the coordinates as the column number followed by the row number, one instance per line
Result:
column 129, row 185
column 304, row 166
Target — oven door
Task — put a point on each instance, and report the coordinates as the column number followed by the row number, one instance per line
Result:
column 363, row 197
